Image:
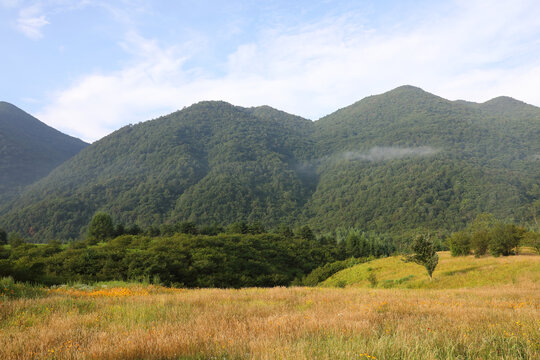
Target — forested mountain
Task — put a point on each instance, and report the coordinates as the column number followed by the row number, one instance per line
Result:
column 29, row 149
column 408, row 158
column 389, row 163
column 211, row 162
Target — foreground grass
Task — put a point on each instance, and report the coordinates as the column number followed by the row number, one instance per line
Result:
column 149, row 322
column 451, row 272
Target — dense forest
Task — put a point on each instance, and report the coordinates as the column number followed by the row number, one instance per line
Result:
column 186, row 255
column 388, row 164
column 238, row 255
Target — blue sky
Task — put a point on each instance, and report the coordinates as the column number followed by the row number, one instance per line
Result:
column 89, row 67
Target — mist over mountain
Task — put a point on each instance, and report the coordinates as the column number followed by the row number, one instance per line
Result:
column 29, row 149
column 390, row 163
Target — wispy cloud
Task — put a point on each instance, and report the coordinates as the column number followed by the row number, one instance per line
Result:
column 475, row 50
column 382, row 153
column 30, row 22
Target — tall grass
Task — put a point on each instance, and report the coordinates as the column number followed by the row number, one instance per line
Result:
column 9, row 289
column 500, row 322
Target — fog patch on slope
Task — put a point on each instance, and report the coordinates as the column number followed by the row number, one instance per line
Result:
column 382, row 153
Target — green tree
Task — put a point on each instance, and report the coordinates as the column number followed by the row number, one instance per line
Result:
column 480, row 242
column 101, row 228
column 532, row 239
column 187, row 227
column 3, row 237
column 238, row 228
column 460, row 243
column 505, row 239
column 305, row 232
column 15, row 239
column 285, row 231
column 424, row 254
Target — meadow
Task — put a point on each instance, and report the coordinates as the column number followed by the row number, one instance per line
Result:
column 137, row 321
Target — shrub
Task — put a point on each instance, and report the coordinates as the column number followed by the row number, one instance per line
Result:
column 480, row 242
column 532, row 239
column 460, row 243
column 505, row 239
column 372, row 278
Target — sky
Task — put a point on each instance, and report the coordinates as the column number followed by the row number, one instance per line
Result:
column 89, row 67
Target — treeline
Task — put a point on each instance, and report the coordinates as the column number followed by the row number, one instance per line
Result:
column 485, row 234
column 185, row 255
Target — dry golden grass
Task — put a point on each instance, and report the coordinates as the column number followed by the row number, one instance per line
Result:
column 281, row 323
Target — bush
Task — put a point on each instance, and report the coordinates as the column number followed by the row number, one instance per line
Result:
column 372, row 278
column 532, row 239
column 460, row 243
column 480, row 242
column 505, row 239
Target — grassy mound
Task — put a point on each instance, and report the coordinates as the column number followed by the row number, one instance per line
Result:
column 451, row 272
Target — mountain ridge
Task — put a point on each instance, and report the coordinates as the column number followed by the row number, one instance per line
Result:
column 29, row 149
column 389, row 163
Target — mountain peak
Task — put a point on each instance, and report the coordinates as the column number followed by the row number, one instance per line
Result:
column 407, row 88
column 507, row 106
column 504, row 100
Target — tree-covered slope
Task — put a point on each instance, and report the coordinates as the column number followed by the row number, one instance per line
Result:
column 211, row 162
column 408, row 158
column 390, row 163
column 29, row 149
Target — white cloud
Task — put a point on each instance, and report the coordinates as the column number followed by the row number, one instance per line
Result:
column 476, row 51
column 31, row 21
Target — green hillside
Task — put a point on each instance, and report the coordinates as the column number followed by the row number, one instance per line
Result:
column 408, row 158
column 388, row 163
column 211, row 162
column 451, row 272
column 29, row 149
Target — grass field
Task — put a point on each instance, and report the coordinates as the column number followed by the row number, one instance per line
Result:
column 134, row 321
column 451, row 272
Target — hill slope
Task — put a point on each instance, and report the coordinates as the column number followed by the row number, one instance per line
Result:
column 211, row 162
column 408, row 158
column 29, row 149
column 389, row 163
column 451, row 272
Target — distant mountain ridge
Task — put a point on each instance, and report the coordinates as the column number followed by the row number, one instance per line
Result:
column 29, row 149
column 389, row 163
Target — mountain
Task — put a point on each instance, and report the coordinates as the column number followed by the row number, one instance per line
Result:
column 29, row 149
column 211, row 162
column 408, row 158
column 389, row 163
